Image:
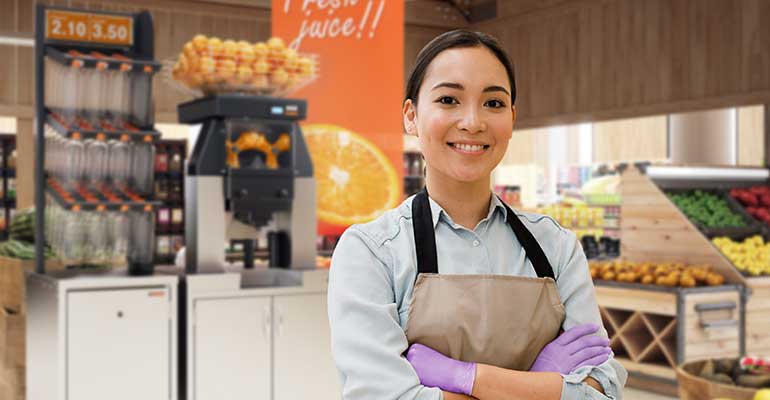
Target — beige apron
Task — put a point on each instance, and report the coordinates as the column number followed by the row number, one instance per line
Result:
column 498, row 320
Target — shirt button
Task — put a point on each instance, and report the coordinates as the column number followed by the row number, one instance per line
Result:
column 476, row 243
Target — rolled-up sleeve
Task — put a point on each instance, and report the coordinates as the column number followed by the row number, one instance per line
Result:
column 579, row 298
column 367, row 340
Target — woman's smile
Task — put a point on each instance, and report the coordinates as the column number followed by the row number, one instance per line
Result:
column 468, row 148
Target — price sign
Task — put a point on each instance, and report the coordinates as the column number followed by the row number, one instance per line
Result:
column 85, row 27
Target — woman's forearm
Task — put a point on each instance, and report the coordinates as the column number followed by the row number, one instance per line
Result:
column 456, row 396
column 499, row 383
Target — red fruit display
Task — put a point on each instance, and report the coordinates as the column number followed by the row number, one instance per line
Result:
column 756, row 199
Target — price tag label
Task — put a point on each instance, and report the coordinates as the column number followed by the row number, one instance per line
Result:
column 85, row 27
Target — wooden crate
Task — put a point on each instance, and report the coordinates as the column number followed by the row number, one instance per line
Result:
column 13, row 324
column 12, row 355
column 14, row 338
column 653, row 329
column 12, row 281
column 12, row 383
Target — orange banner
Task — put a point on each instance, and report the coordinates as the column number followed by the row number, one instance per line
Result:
column 353, row 130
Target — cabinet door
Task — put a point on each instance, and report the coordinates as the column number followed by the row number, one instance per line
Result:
column 118, row 345
column 303, row 364
column 232, row 349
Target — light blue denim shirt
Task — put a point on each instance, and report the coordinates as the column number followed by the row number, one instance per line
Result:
column 373, row 271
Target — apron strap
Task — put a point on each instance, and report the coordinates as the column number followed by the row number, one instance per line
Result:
column 425, row 239
column 532, row 249
column 424, row 234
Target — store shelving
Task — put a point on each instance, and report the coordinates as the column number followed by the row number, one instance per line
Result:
column 414, row 174
column 170, row 159
column 8, row 186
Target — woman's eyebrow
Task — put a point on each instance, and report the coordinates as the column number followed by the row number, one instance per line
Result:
column 450, row 85
column 496, row 89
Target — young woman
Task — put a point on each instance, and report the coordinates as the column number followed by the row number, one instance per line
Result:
column 453, row 294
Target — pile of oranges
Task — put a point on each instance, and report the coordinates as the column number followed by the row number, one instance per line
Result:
column 214, row 66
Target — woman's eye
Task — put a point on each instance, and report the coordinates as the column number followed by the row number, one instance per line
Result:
column 495, row 104
column 446, row 100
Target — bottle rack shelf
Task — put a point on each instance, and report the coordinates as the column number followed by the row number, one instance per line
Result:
column 112, row 61
column 106, row 197
column 84, row 129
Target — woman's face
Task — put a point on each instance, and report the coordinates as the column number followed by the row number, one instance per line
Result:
column 464, row 116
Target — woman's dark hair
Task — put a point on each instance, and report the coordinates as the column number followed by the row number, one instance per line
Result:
column 455, row 39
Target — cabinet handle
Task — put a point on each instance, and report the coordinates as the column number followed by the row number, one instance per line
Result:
column 279, row 313
column 721, row 323
column 266, row 322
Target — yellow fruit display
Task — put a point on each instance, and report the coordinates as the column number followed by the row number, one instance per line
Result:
column 216, row 65
column 751, row 257
column 260, row 50
column 662, row 274
column 355, row 181
column 279, row 77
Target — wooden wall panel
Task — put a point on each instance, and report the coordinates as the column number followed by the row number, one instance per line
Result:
column 603, row 59
column 637, row 139
column 8, row 68
column 509, row 8
column 415, row 38
column 751, row 136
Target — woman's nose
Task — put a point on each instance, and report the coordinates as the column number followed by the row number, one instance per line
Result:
column 471, row 121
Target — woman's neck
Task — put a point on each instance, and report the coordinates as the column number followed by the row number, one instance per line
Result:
column 466, row 202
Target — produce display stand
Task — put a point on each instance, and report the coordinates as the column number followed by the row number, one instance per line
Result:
column 757, row 288
column 652, row 328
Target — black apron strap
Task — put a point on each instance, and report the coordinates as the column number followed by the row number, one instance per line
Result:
column 424, row 234
column 425, row 239
column 532, row 249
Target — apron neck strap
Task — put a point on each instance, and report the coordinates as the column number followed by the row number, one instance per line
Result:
column 424, row 234
column 529, row 243
column 425, row 239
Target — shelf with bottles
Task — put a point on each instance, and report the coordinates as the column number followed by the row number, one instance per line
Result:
column 8, row 158
column 166, row 248
column 414, row 172
column 169, row 164
column 95, row 174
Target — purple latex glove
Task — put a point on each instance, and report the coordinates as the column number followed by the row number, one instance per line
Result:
column 574, row 348
column 438, row 370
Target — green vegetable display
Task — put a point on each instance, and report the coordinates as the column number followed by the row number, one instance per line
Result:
column 706, row 209
column 22, row 237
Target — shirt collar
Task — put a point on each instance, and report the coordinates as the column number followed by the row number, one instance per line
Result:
column 436, row 211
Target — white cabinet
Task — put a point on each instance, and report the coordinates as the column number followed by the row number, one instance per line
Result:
column 118, row 345
column 261, row 347
column 303, row 367
column 232, row 348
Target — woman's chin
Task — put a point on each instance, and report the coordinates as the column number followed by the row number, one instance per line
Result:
column 470, row 176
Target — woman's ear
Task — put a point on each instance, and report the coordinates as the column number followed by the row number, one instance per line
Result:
column 513, row 111
column 410, row 118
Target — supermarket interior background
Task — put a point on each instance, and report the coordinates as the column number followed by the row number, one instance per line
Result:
column 642, row 126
